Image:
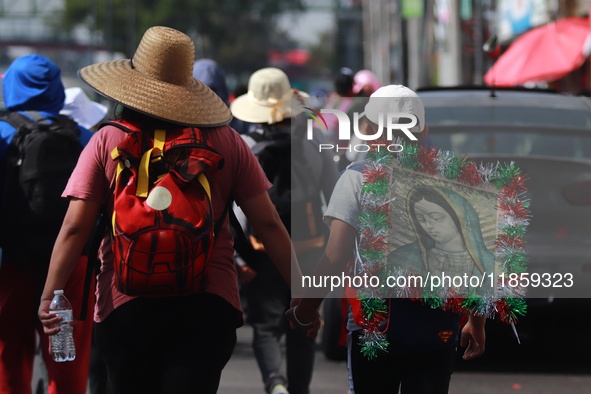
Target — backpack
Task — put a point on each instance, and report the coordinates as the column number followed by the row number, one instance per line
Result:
column 163, row 227
column 294, row 193
column 36, row 168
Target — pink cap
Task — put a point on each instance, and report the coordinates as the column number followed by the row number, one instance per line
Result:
column 365, row 78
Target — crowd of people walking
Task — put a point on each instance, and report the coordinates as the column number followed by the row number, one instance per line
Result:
column 209, row 208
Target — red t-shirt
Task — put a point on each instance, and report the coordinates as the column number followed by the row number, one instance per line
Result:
column 241, row 178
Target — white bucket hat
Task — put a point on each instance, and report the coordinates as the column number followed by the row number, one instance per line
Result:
column 270, row 98
column 396, row 99
column 84, row 111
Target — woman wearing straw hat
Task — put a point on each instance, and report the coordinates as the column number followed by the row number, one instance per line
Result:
column 164, row 344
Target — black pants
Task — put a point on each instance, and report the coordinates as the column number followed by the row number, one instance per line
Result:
column 168, row 345
column 418, row 373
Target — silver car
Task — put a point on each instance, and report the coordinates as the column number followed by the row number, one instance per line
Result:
column 548, row 136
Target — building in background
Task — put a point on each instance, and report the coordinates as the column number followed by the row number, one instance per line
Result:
column 413, row 42
column 440, row 42
column 32, row 26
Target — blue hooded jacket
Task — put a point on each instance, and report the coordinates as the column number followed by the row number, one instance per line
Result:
column 212, row 75
column 33, row 83
column 208, row 72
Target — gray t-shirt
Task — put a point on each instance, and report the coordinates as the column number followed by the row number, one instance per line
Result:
column 344, row 205
column 345, row 201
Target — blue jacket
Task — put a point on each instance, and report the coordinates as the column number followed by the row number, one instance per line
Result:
column 212, row 75
column 33, row 83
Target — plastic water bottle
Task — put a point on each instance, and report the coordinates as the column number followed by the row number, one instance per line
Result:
column 62, row 343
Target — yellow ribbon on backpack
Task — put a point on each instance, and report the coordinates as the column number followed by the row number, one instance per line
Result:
column 151, row 156
column 144, row 169
column 143, row 180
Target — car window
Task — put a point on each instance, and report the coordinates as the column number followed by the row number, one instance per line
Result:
column 514, row 142
column 491, row 115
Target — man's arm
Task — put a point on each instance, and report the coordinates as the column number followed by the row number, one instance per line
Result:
column 339, row 250
column 269, row 228
column 79, row 222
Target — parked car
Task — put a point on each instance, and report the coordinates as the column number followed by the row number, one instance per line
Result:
column 548, row 136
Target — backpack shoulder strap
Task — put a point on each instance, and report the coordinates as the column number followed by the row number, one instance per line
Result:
column 256, row 136
column 64, row 124
column 23, row 127
column 241, row 243
column 266, row 139
column 35, row 115
column 121, row 125
column 16, row 119
column 93, row 263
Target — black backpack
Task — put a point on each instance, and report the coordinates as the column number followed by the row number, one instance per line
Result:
column 295, row 194
column 36, row 169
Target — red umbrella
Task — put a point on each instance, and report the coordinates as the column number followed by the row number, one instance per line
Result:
column 544, row 53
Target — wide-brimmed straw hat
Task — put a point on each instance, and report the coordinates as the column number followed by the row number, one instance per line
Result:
column 159, row 81
column 270, row 98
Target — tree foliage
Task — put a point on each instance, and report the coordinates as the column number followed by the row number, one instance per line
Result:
column 237, row 33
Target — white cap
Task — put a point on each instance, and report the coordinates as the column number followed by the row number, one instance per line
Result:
column 396, row 99
column 58, row 292
column 84, row 111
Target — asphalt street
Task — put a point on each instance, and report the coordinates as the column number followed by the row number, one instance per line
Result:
column 487, row 376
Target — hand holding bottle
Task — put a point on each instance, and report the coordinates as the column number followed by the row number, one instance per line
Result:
column 57, row 319
column 50, row 321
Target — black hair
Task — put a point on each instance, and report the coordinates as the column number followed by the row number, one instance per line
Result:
column 343, row 84
column 145, row 121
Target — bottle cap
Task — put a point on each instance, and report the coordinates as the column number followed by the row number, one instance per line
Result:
column 56, row 292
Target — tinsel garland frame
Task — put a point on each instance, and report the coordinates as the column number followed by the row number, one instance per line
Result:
column 506, row 303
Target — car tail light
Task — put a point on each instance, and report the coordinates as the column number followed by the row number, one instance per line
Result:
column 578, row 193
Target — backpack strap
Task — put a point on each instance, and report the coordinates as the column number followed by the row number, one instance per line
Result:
column 143, row 181
column 268, row 138
column 93, row 263
column 17, row 119
column 121, row 125
column 35, row 115
column 151, row 156
column 62, row 124
column 242, row 244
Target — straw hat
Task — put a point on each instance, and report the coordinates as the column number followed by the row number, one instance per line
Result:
column 270, row 98
column 84, row 111
column 159, row 81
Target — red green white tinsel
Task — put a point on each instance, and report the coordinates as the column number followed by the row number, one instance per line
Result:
column 506, row 303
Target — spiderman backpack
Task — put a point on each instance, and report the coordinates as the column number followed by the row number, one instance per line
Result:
column 163, row 226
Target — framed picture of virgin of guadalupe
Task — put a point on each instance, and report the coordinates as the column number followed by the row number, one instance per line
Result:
column 444, row 231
